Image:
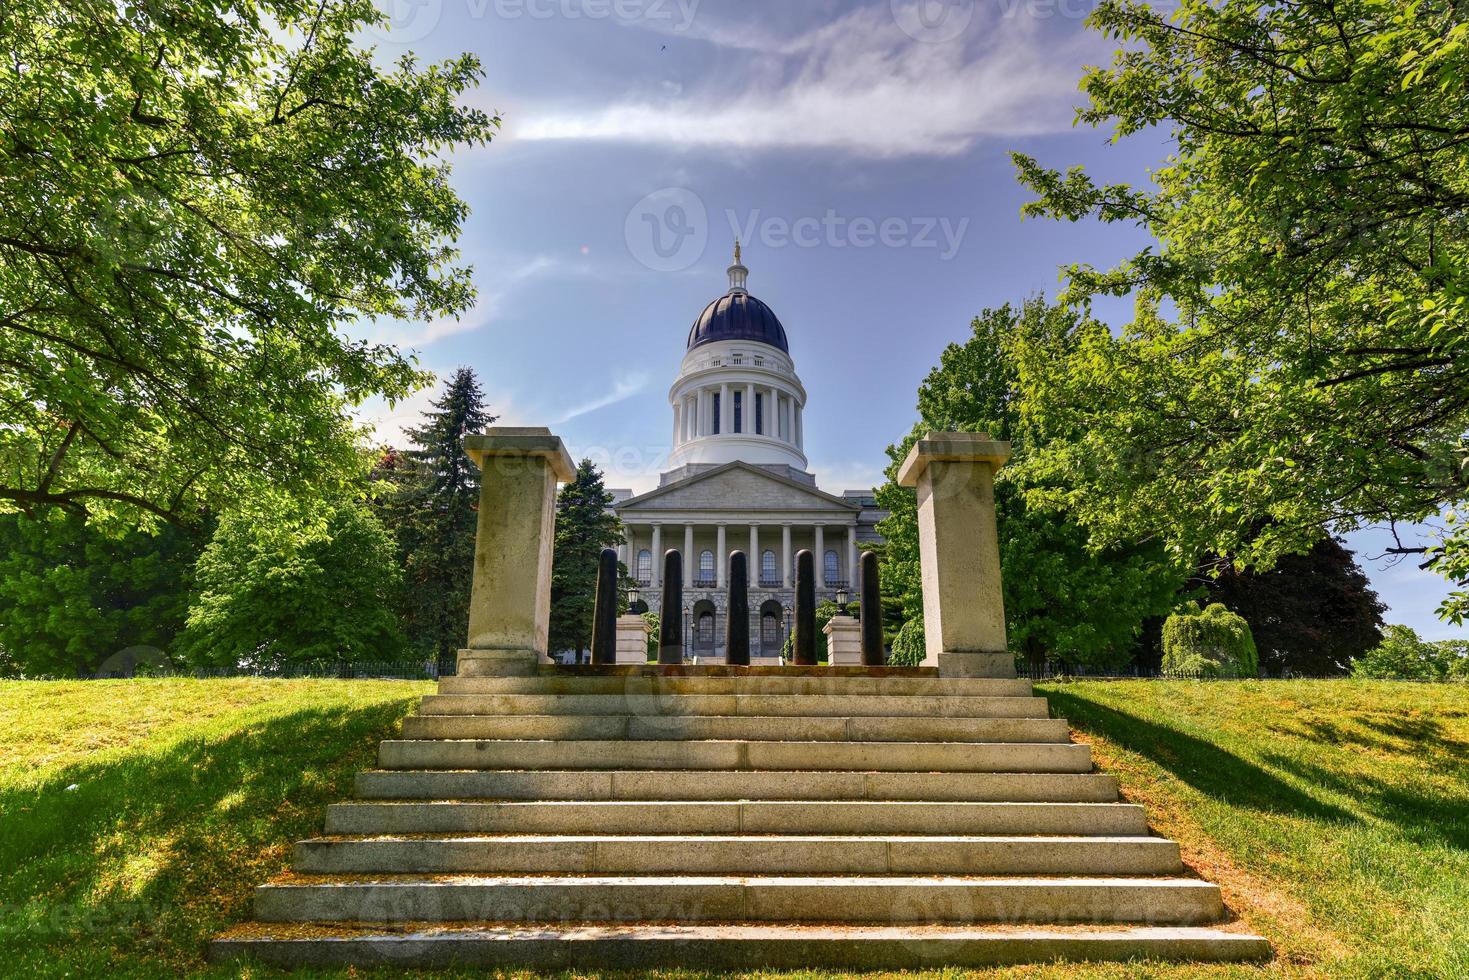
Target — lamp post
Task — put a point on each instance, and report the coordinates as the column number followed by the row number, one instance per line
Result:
column 842, row 599
column 634, row 598
column 787, row 611
column 688, row 617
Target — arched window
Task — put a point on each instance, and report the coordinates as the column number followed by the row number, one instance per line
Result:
column 832, row 567
column 706, row 566
column 770, row 631
column 706, row 629
column 645, row 566
column 769, row 567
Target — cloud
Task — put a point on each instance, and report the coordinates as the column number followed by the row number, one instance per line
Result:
column 622, row 388
column 488, row 307
column 858, row 84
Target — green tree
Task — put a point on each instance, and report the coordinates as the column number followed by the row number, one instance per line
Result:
column 908, row 647
column 432, row 502
column 1311, row 614
column 1064, row 597
column 292, row 587
column 584, row 526
column 1403, row 655
column 72, row 595
column 1211, row 643
column 1297, row 364
column 197, row 200
column 654, row 623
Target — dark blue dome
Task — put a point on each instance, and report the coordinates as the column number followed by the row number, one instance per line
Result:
column 738, row 316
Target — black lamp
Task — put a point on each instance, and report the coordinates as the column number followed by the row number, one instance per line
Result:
column 842, row 598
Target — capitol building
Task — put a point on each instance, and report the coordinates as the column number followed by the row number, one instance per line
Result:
column 738, row 482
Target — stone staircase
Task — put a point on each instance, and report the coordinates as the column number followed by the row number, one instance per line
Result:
column 723, row 818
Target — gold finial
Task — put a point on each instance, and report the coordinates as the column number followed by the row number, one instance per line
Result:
column 737, row 251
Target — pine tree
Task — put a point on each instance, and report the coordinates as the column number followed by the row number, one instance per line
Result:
column 584, row 526
column 432, row 505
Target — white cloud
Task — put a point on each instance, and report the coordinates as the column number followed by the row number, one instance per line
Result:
column 858, row 84
column 622, row 388
column 488, row 307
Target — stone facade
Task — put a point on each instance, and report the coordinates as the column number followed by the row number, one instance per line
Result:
column 738, row 482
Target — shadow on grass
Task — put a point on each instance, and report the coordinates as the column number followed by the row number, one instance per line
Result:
column 1203, row 765
column 1424, row 814
column 149, row 855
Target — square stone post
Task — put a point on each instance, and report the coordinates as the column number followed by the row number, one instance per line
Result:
column 843, row 642
column 959, row 552
column 510, row 593
column 632, row 640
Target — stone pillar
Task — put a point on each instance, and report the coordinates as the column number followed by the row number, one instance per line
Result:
column 820, row 549
column 670, row 611
column 852, row 557
column 871, row 607
column 720, row 566
column 737, row 616
column 800, row 439
column 726, row 411
column 510, row 592
column 843, row 642
column 677, row 423
column 657, row 572
column 785, row 556
column 757, row 566
column 632, row 640
column 688, row 556
column 959, row 552
column 604, row 610
column 803, row 647
column 750, row 414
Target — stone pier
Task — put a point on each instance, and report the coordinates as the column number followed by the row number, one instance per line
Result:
column 510, row 598
column 959, row 550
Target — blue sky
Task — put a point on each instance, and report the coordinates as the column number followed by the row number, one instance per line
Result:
column 861, row 150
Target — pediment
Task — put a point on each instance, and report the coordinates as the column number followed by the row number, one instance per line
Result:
column 735, row 486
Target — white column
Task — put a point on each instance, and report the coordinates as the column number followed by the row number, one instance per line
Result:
column 800, row 439
column 706, row 424
column 719, row 558
column 852, row 558
column 820, row 556
column 726, row 411
column 677, row 422
column 750, row 408
column 688, row 556
column 632, row 549
column 754, row 560
column 657, row 572
column 785, row 556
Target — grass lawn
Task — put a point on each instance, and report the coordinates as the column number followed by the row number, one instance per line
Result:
column 1335, row 815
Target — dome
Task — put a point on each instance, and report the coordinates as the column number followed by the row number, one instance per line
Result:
column 738, row 316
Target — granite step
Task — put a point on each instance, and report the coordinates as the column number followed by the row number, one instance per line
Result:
column 726, row 947
column 781, row 705
column 824, row 856
column 752, row 684
column 682, row 728
column 739, row 755
column 793, row 785
column 737, row 817
column 887, row 900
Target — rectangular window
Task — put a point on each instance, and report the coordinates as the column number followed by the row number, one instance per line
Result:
column 759, row 414
column 717, row 415
column 739, row 412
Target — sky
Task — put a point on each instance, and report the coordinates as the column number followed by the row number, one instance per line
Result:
column 859, row 150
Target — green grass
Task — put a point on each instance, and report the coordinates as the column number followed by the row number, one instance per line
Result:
column 1334, row 815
